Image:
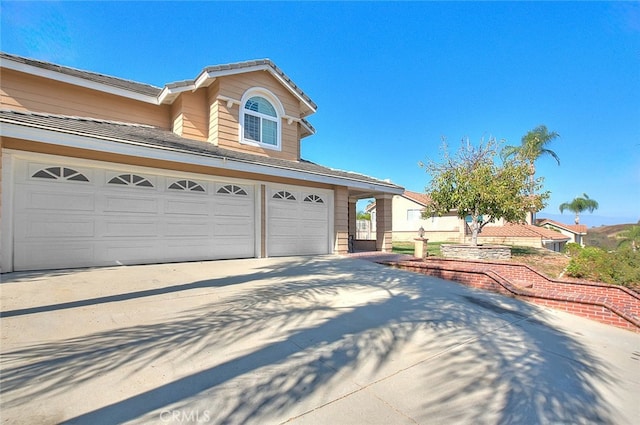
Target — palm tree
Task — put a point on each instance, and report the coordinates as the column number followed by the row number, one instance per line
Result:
column 532, row 146
column 630, row 236
column 578, row 205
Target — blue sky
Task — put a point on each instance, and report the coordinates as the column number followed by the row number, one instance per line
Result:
column 392, row 79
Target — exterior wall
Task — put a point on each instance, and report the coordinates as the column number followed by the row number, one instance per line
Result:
column 341, row 220
column 23, row 92
column 384, row 222
column 234, row 86
column 574, row 238
column 437, row 229
column 191, row 112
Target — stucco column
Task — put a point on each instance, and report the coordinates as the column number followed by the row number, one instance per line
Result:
column 383, row 223
column 353, row 215
column 341, row 220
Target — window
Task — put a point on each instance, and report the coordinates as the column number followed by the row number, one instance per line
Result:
column 283, row 194
column 260, row 119
column 60, row 173
column 187, row 186
column 314, row 199
column 130, row 180
column 413, row 215
column 232, row 189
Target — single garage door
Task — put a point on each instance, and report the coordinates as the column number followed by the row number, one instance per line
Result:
column 76, row 216
column 297, row 221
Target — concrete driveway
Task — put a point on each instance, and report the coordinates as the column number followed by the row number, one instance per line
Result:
column 321, row 340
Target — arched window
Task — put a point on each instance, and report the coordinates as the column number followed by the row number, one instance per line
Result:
column 260, row 119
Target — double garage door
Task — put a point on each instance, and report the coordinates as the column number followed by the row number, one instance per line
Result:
column 77, row 215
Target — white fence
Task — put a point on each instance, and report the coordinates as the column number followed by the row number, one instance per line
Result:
column 365, row 230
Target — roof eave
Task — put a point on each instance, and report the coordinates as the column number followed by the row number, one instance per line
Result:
column 77, row 81
column 124, row 147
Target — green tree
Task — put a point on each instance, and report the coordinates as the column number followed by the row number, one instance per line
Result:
column 579, row 205
column 361, row 215
column 533, row 146
column 630, row 237
column 472, row 184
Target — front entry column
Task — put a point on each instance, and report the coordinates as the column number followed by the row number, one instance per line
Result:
column 383, row 223
column 353, row 215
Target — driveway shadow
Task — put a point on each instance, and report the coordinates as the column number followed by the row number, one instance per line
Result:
column 320, row 337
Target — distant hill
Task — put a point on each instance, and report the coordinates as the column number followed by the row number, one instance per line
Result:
column 605, row 236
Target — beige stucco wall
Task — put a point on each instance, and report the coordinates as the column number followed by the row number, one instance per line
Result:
column 444, row 228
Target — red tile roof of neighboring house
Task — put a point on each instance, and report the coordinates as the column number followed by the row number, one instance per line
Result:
column 579, row 229
column 421, row 198
column 522, row 231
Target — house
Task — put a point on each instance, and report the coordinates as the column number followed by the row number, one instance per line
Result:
column 100, row 171
column 407, row 219
column 407, row 211
column 523, row 235
column 575, row 232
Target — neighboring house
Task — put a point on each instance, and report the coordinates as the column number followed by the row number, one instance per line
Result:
column 407, row 220
column 523, row 235
column 575, row 232
column 100, row 171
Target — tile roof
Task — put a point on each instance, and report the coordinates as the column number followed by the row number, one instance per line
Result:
column 522, row 231
column 153, row 137
column 421, row 198
column 121, row 83
column 580, row 229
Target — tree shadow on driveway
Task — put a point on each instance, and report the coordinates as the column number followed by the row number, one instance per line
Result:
column 304, row 334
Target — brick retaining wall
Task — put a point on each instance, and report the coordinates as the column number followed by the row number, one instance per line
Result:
column 610, row 304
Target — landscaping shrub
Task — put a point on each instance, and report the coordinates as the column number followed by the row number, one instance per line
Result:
column 620, row 267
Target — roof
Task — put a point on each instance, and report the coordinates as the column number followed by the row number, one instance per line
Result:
column 145, row 89
column 149, row 92
column 522, row 231
column 150, row 137
column 421, row 198
column 579, row 229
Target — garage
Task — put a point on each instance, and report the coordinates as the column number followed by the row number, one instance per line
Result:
column 298, row 220
column 86, row 213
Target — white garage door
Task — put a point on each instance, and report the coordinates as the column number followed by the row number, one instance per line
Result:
column 75, row 216
column 297, row 221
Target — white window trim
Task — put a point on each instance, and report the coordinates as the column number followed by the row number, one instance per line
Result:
column 275, row 102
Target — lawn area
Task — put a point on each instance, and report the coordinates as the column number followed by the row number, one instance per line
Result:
column 433, row 248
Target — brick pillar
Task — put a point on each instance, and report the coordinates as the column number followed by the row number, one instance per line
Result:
column 383, row 223
column 341, row 220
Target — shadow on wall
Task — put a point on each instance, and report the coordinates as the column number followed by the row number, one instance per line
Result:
column 318, row 338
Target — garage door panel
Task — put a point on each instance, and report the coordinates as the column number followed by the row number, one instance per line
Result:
column 130, row 228
column 131, row 252
column 313, row 228
column 233, row 229
column 183, row 229
column 229, row 208
column 56, row 227
column 130, row 204
column 319, row 214
column 42, row 199
column 282, row 228
column 189, row 250
column 232, row 247
column 187, row 206
column 40, row 256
